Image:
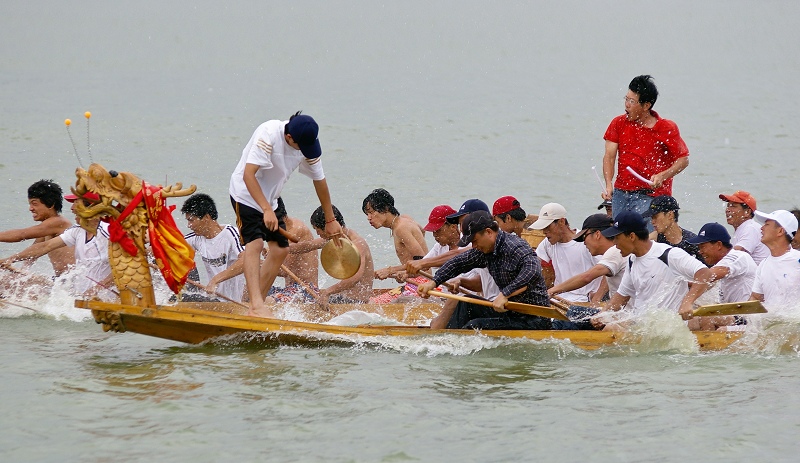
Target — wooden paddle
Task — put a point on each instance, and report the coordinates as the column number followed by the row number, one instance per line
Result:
column 528, row 309
column 732, row 308
column 288, row 235
column 199, row 285
column 302, row 283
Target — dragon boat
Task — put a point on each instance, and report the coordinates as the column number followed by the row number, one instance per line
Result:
column 137, row 212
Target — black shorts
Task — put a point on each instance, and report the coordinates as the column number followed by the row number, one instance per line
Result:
column 251, row 224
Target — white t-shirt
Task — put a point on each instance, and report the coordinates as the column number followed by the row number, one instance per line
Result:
column 569, row 259
column 653, row 284
column 778, row 279
column 616, row 264
column 274, row 169
column 219, row 253
column 748, row 237
column 738, row 284
column 91, row 257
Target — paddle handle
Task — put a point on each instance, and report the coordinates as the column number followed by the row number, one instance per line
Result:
column 528, row 309
column 302, row 283
column 428, row 275
column 289, row 236
column 221, row 296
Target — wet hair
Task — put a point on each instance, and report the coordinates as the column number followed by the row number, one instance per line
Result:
column 675, row 216
column 318, row 217
column 517, row 214
column 646, row 89
column 48, row 192
column 200, row 205
column 381, row 201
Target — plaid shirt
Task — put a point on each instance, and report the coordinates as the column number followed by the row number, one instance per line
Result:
column 513, row 264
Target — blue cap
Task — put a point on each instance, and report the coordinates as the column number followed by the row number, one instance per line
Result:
column 711, row 232
column 475, row 222
column 304, row 131
column 625, row 222
column 469, row 206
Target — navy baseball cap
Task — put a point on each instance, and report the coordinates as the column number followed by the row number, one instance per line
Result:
column 626, row 222
column 475, row 222
column 304, row 131
column 469, row 206
column 711, row 232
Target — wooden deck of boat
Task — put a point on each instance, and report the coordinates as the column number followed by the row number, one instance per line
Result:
column 198, row 322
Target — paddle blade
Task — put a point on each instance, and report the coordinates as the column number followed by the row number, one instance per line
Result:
column 538, row 310
column 733, row 308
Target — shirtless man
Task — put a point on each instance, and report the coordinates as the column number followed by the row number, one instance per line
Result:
column 409, row 242
column 357, row 288
column 45, row 203
column 90, row 249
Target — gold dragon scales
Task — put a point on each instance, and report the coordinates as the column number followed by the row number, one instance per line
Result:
column 120, row 202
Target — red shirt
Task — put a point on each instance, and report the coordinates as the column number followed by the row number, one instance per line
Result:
column 647, row 150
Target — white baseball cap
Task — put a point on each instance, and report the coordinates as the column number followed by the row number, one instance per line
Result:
column 549, row 213
column 785, row 219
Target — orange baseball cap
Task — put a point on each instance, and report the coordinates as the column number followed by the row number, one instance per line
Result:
column 741, row 197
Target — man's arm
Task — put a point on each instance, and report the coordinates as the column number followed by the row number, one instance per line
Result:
column 48, row 227
column 234, row 270
column 580, row 280
column 676, row 168
column 254, row 189
column 332, row 226
column 414, row 266
column 609, row 166
column 36, row 250
column 702, row 281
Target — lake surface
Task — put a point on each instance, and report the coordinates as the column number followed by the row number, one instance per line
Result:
column 437, row 102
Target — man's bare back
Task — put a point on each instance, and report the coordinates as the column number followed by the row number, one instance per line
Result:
column 306, row 264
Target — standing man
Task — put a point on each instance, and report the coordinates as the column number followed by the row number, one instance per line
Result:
column 276, row 149
column 663, row 213
column 217, row 245
column 513, row 265
column 777, row 282
column 642, row 140
column 739, row 212
column 45, row 204
column 561, row 256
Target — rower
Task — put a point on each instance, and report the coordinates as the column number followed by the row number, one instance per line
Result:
column 611, row 265
column 218, row 245
column 777, row 282
column 734, row 269
column 498, row 251
column 663, row 212
column 657, row 276
column 357, row 288
column 93, row 271
column 739, row 209
column 45, row 204
column 409, row 241
column 562, row 257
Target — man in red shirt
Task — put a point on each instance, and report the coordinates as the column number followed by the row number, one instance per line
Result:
column 647, row 144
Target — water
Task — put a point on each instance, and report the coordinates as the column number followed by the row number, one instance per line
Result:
column 436, row 102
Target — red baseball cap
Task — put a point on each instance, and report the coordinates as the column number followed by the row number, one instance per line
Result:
column 741, row 197
column 504, row 205
column 93, row 197
column 438, row 217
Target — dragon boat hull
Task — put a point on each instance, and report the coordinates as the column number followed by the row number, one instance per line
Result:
column 199, row 322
